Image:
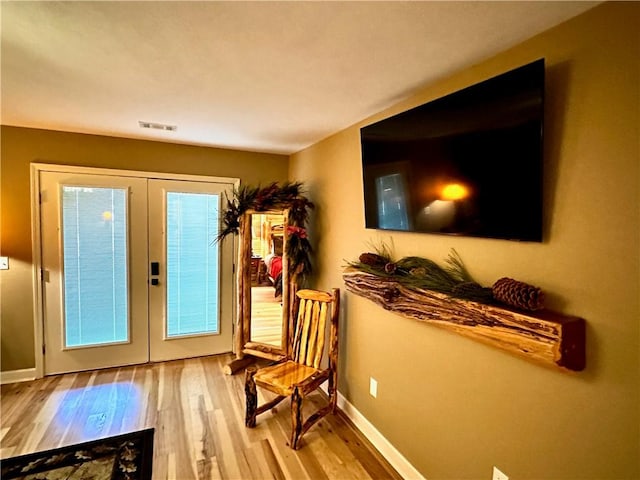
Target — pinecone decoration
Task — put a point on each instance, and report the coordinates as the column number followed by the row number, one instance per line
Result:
column 518, row 294
column 373, row 260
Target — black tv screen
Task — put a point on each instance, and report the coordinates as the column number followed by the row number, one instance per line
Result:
column 469, row 163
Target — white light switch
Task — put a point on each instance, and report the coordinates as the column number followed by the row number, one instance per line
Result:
column 4, row 263
column 373, row 387
column 498, row 475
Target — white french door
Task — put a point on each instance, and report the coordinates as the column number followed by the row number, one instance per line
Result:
column 131, row 272
column 186, row 295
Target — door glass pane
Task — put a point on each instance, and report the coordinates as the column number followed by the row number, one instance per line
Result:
column 192, row 263
column 94, row 235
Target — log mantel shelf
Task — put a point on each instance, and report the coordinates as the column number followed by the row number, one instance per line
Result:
column 544, row 336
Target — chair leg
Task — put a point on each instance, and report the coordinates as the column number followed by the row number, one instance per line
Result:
column 333, row 391
column 251, row 394
column 296, row 418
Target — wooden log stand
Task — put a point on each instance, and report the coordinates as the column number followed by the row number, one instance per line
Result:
column 544, row 336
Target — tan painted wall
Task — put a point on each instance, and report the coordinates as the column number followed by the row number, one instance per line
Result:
column 454, row 407
column 21, row 146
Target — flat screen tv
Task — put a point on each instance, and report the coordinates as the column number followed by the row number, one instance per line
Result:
column 469, row 163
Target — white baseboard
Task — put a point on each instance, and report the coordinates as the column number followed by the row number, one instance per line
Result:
column 13, row 376
column 386, row 449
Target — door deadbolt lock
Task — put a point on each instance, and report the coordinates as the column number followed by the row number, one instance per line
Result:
column 155, row 268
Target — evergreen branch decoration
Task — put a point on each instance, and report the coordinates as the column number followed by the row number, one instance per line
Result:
column 422, row 273
column 274, row 197
column 455, row 267
column 261, row 199
column 453, row 279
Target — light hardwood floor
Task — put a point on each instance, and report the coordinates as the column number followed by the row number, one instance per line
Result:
column 266, row 316
column 198, row 414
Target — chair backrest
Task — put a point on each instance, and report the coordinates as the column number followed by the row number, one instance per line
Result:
column 314, row 309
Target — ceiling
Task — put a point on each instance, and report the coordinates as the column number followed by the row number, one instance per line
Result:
column 259, row 76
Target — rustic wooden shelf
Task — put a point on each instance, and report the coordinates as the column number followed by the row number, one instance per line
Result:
column 543, row 336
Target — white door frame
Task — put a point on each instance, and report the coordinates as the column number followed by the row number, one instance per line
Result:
column 36, row 244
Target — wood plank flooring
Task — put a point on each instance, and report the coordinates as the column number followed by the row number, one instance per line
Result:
column 198, row 414
column 266, row 316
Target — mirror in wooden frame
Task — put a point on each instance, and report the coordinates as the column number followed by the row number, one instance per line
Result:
column 263, row 285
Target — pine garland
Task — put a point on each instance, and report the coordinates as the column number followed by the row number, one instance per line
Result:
column 419, row 272
column 454, row 279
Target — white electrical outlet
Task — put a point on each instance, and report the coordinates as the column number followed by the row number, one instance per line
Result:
column 498, row 475
column 4, row 263
column 373, row 387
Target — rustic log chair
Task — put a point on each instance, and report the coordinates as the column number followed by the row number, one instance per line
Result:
column 299, row 374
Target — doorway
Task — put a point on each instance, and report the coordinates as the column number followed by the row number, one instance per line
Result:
column 130, row 270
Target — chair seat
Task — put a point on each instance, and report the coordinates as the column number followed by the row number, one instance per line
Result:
column 282, row 377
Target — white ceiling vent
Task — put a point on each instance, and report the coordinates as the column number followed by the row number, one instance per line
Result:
column 158, row 126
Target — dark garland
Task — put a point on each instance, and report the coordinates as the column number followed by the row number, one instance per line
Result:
column 453, row 279
column 274, row 197
column 418, row 272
